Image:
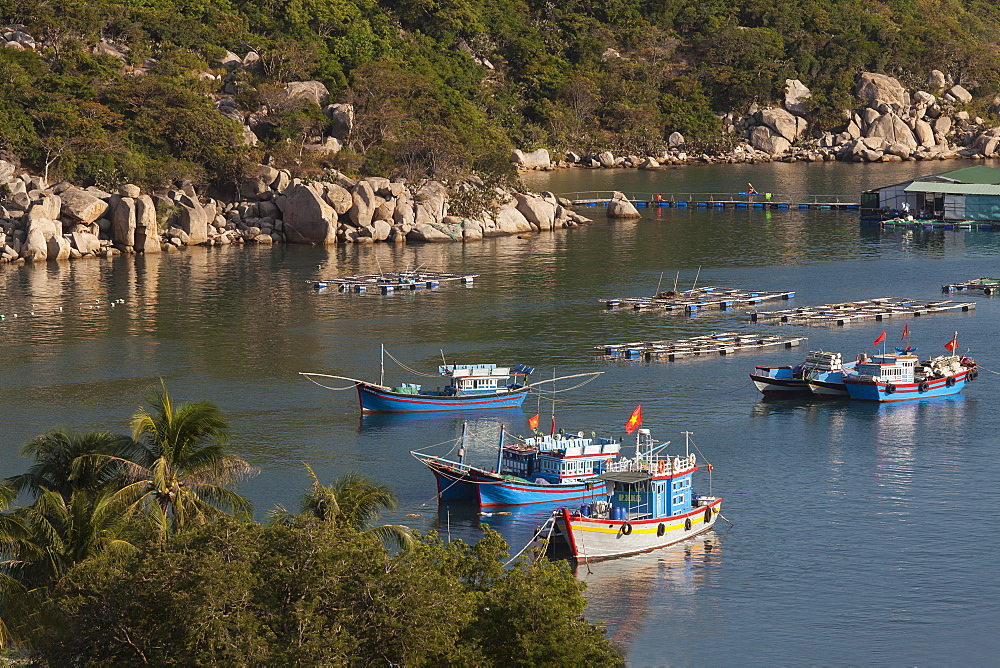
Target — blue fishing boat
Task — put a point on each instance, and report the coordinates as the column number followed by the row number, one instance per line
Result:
column 539, row 469
column 650, row 504
column 901, row 376
column 471, row 387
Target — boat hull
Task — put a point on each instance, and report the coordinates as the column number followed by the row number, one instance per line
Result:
column 869, row 390
column 779, row 382
column 592, row 539
column 375, row 399
column 491, row 491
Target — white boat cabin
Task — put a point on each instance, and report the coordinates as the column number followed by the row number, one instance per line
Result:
column 482, row 378
column 562, row 458
column 888, row 368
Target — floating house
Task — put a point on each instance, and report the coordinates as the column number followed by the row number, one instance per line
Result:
column 971, row 193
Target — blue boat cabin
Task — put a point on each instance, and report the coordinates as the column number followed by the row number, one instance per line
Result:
column 559, row 459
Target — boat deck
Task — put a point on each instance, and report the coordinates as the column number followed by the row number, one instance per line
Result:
column 988, row 286
column 882, row 308
column 390, row 282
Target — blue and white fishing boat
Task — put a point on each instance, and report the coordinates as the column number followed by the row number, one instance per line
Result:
column 556, row 468
column 470, row 387
column 650, row 504
column 820, row 374
column 901, row 376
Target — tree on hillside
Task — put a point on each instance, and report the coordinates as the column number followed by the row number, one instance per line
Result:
column 55, row 453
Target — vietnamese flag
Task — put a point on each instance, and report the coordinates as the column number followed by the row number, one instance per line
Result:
column 634, row 420
column 533, row 421
column 880, row 339
column 951, row 345
column 906, row 332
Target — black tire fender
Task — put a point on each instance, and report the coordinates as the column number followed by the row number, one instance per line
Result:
column 972, row 374
column 661, row 529
column 923, row 387
column 950, row 381
column 889, row 388
column 626, row 529
column 687, row 524
column 708, row 515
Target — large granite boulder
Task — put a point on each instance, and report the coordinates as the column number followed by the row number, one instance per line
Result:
column 783, row 123
column 48, row 207
column 192, row 220
column 797, row 96
column 123, row 223
column 431, row 233
column 86, row 242
column 147, row 237
column 537, row 158
column 924, row 133
column 35, row 247
column 675, row 139
column 339, row 197
column 620, row 207
column 876, row 89
column 536, row 210
column 936, row 80
column 341, row 119
column 313, row 91
column 58, row 248
column 363, row 205
column 765, row 139
column 893, row 129
column 511, row 221
column 431, row 203
column 959, row 94
column 307, row 218
column 82, row 206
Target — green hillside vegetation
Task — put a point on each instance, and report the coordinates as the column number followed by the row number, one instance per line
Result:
column 423, row 104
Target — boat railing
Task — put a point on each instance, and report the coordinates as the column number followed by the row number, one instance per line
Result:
column 651, row 464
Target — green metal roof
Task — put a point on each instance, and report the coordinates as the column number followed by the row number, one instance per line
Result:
column 980, row 174
column 953, row 188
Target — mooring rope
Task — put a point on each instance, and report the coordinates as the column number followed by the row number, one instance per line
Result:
column 550, row 520
column 335, row 389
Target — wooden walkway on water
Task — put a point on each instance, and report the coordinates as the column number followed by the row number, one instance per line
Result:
column 390, row 282
column 988, row 286
column 696, row 299
column 844, row 313
column 704, row 200
column 720, row 343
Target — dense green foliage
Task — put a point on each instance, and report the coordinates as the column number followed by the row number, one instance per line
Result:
column 619, row 74
column 94, row 572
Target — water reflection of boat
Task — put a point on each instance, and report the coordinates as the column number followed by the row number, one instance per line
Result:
column 621, row 593
column 373, row 422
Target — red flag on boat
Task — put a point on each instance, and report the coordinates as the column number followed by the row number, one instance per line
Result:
column 634, row 420
column 710, row 467
column 906, row 332
column 880, row 339
column 533, row 421
column 951, row 345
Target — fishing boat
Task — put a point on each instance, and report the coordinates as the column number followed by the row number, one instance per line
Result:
column 820, row 374
column 543, row 468
column 470, row 387
column 650, row 504
column 901, row 376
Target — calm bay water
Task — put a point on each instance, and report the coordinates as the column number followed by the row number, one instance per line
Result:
column 862, row 534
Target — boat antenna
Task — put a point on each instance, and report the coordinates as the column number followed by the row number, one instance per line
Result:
column 677, row 278
column 552, row 431
column 696, row 277
column 381, row 371
column 687, row 435
column 442, row 356
column 658, row 285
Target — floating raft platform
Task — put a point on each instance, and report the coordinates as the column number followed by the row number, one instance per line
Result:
column 389, row 282
column 882, row 308
column 694, row 300
column 988, row 286
column 720, row 343
column 921, row 224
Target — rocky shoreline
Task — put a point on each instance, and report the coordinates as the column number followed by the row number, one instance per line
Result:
column 39, row 222
column 891, row 124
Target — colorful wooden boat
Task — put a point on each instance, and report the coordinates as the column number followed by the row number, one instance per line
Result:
column 558, row 468
column 825, row 375
column 650, row 504
column 902, row 377
column 471, row 387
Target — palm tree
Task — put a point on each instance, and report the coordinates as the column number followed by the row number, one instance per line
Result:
column 40, row 542
column 176, row 467
column 355, row 501
column 55, row 454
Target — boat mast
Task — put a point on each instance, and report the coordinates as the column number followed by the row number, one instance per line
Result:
column 461, row 448
column 500, row 450
column 381, row 372
column 687, row 435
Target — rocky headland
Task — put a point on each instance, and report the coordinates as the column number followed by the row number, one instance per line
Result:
column 891, row 124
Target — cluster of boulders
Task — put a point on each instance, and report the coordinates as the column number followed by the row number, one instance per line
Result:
column 41, row 222
column 14, row 37
column 892, row 124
